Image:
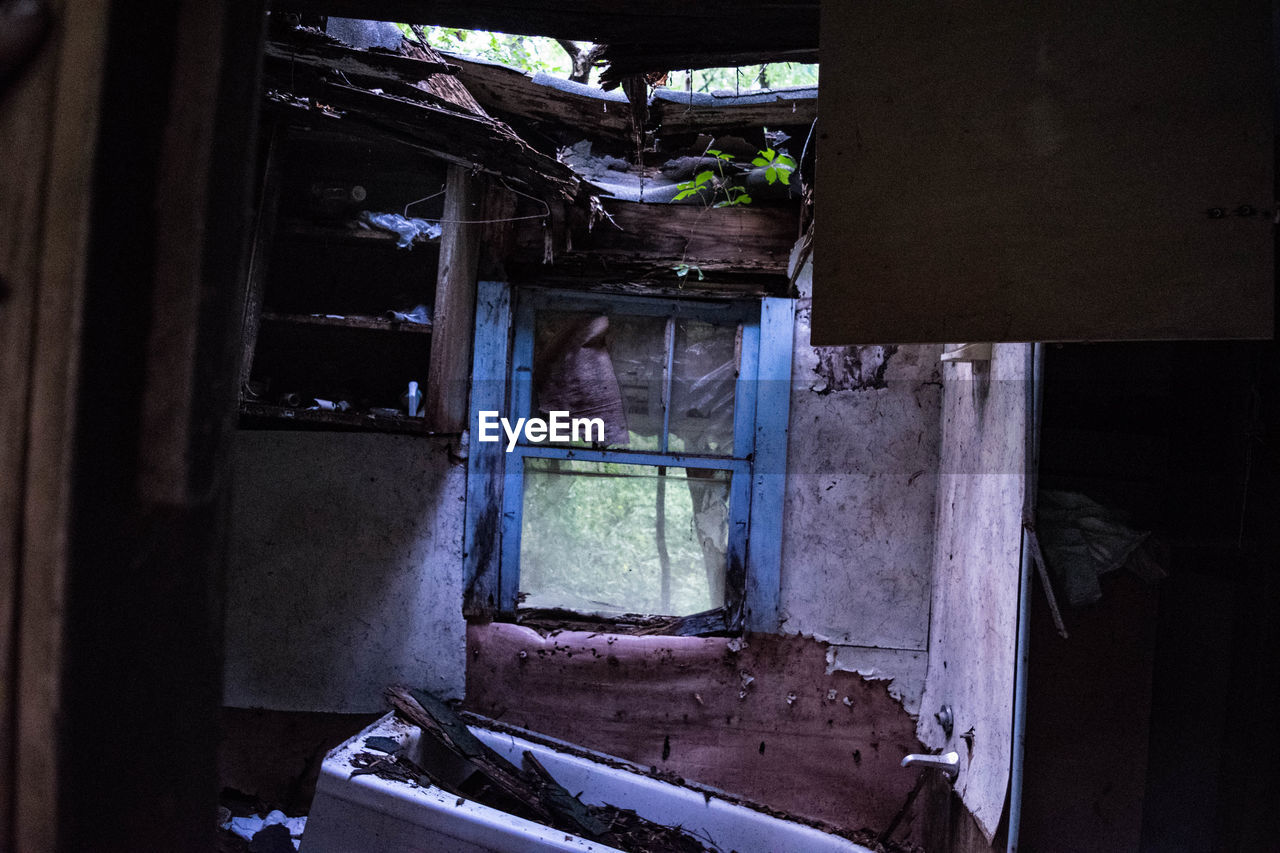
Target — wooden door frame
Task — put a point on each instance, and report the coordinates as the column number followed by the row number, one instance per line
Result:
column 123, row 269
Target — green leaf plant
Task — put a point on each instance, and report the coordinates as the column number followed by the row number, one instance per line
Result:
column 711, row 184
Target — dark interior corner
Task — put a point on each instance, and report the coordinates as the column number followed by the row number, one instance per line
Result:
column 1165, row 681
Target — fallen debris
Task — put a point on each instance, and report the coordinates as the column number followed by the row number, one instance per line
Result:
column 267, row 833
column 530, row 792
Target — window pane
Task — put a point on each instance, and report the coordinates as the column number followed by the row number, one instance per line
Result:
column 704, row 380
column 594, row 539
column 595, row 366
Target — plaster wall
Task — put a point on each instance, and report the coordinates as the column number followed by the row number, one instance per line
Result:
column 345, row 570
column 974, row 605
column 858, row 524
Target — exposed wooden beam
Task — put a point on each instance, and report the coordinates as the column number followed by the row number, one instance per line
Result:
column 455, row 305
column 48, row 123
column 640, row 238
column 442, row 130
column 143, row 596
column 509, row 92
column 670, row 117
column 350, row 60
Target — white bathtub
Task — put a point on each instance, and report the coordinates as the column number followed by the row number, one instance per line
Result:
column 366, row 814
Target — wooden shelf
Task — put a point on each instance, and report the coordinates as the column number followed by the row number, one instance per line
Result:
column 342, row 420
column 337, row 233
column 340, row 322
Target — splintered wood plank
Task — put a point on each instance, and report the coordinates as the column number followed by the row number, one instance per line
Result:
column 511, row 92
column 1014, row 172
column 350, row 60
column 765, row 722
column 448, row 377
column 443, row 129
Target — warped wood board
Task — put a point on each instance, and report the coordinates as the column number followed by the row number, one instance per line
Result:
column 763, row 720
column 1009, row 171
column 672, row 114
column 508, row 91
column 973, row 621
column 637, row 237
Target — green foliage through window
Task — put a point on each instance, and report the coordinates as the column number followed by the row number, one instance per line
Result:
column 528, row 53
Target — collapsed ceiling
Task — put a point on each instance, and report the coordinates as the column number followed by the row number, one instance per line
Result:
column 643, row 35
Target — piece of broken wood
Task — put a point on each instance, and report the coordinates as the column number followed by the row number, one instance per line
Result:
column 549, row 802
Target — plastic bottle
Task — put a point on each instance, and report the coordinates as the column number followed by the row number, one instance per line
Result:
column 414, row 402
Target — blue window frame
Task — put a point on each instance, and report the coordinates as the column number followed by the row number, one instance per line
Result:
column 754, row 463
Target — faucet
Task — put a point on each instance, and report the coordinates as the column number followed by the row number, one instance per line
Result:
column 948, row 762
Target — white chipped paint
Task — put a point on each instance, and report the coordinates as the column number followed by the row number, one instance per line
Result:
column 903, row 669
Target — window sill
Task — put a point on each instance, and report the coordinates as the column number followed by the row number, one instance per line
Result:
column 712, row 623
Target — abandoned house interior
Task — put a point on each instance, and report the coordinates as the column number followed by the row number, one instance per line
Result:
column 413, row 447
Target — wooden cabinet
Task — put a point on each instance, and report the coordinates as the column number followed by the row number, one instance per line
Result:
column 341, row 315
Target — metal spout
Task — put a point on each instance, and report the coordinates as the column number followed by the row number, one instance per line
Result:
column 948, row 762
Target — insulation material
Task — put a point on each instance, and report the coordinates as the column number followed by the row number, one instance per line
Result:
column 405, row 230
column 976, row 574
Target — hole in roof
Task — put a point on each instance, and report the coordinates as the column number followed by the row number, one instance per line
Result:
column 534, row 54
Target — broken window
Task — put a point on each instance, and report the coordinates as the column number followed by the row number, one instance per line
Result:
column 645, row 512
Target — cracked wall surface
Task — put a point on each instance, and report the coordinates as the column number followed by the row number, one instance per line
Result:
column 858, row 529
column 974, row 616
